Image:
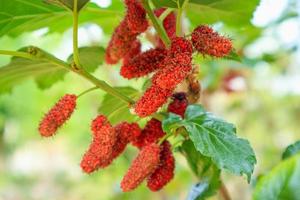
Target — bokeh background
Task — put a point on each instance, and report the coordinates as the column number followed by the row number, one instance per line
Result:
column 260, row 95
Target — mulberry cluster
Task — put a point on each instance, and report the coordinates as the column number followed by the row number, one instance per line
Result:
column 125, row 34
column 179, row 104
column 99, row 154
column 165, row 171
column 108, row 143
column 155, row 161
column 208, row 42
column 150, row 134
column 57, row 115
column 142, row 166
column 143, row 63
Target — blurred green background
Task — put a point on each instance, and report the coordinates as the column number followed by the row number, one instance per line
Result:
column 260, row 95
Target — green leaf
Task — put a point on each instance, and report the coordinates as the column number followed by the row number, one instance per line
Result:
column 19, row 16
column 117, row 110
column 20, row 69
column 68, row 3
column 291, row 150
column 281, row 183
column 90, row 57
column 171, row 122
column 231, row 12
column 216, row 139
column 233, row 56
column 204, row 169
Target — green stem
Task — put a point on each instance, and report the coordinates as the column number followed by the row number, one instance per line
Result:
column 178, row 22
column 158, row 116
column 164, row 138
column 179, row 16
column 165, row 13
column 17, row 53
column 104, row 86
column 156, row 23
column 75, row 34
column 87, row 91
column 41, row 55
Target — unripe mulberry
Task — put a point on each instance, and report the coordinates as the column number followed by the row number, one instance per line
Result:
column 134, row 50
column 120, row 43
column 58, row 115
column 142, row 166
column 143, row 63
column 136, row 16
column 179, row 104
column 165, row 171
column 169, row 24
column 152, row 100
column 208, row 42
column 176, row 69
column 150, row 134
column 99, row 154
column 126, row 133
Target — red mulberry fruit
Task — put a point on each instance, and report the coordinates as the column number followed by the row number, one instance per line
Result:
column 152, row 100
column 126, row 133
column 120, row 43
column 136, row 16
column 99, row 154
column 150, row 134
column 181, row 45
column 208, row 42
column 165, row 171
column 174, row 72
column 142, row 166
column 143, row 63
column 58, row 115
column 134, row 50
column 179, row 104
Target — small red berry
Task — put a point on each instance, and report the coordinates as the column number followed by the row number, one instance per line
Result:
column 134, row 50
column 126, row 133
column 120, row 43
column 208, row 42
column 136, row 16
column 175, row 70
column 152, row 100
column 181, row 45
column 58, row 115
column 99, row 154
column 179, row 104
column 165, row 171
column 142, row 166
column 150, row 134
column 143, row 63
